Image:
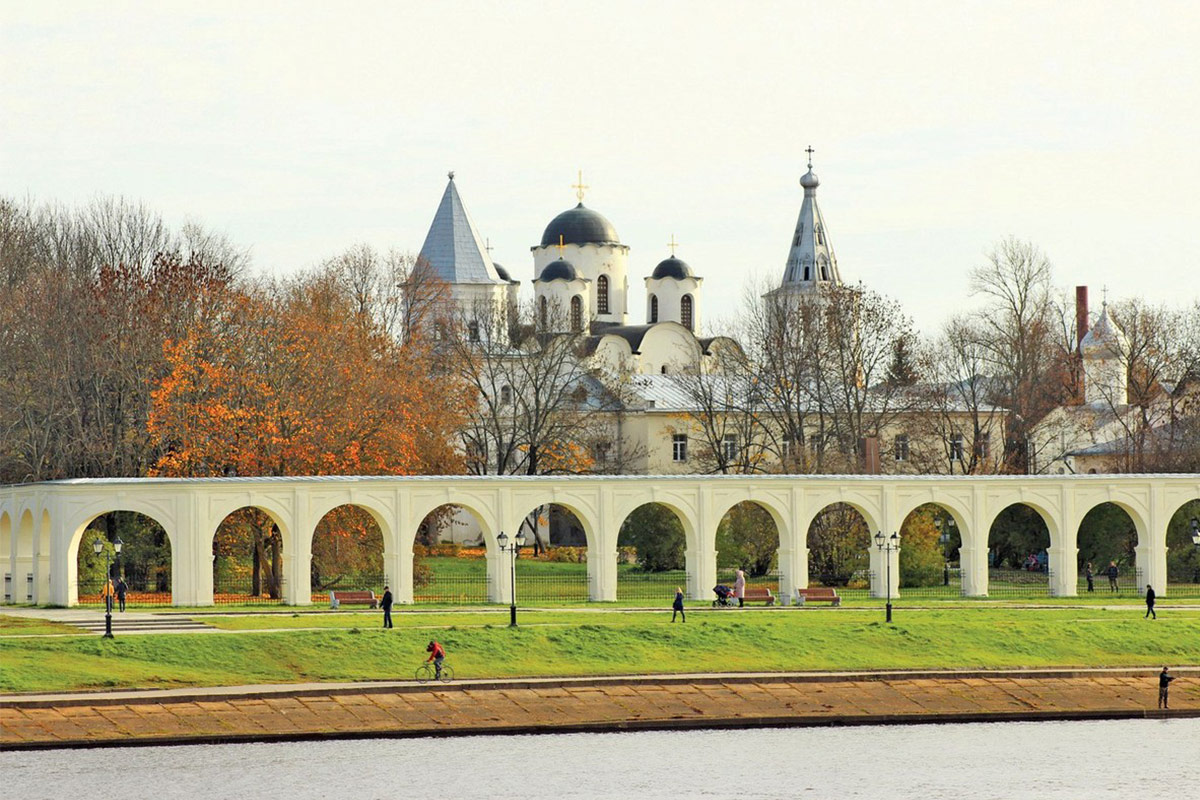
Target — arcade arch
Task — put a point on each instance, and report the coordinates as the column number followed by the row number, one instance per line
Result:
column 839, row 550
column 553, row 566
column 931, row 539
column 144, row 563
column 248, row 550
column 652, row 554
column 347, row 553
column 1183, row 555
column 1019, row 544
column 451, row 557
column 1107, row 538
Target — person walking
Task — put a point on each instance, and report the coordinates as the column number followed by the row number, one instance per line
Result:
column 1150, row 603
column 1164, row 684
column 739, row 587
column 386, row 605
column 106, row 594
column 122, row 590
column 1090, row 575
column 1112, row 572
column 677, row 606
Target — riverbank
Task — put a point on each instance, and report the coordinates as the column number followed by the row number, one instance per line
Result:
column 224, row 651
column 556, row 705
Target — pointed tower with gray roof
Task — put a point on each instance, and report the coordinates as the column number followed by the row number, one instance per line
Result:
column 811, row 263
column 457, row 254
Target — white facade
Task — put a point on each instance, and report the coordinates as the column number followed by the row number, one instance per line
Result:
column 1105, row 382
column 43, row 524
column 594, row 261
column 666, row 296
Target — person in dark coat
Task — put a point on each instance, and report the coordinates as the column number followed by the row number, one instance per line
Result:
column 386, row 605
column 1113, row 572
column 1164, row 683
column 122, row 590
column 1150, row 603
column 677, row 606
column 1090, row 575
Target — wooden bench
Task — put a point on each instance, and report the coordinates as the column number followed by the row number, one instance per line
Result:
column 754, row 593
column 819, row 594
column 366, row 598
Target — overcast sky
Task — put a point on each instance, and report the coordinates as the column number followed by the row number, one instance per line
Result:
column 299, row 129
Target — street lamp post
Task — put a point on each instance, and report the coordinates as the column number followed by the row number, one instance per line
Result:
column 98, row 546
column 518, row 543
column 887, row 546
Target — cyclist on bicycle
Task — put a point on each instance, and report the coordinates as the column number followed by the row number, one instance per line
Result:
column 437, row 655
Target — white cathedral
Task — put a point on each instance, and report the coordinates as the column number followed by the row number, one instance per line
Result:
column 581, row 283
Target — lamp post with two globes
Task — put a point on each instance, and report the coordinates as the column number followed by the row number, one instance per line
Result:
column 106, row 587
column 518, row 543
column 888, row 545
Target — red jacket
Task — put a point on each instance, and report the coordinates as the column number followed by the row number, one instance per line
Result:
column 437, row 652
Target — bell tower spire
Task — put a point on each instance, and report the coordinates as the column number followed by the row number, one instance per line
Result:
column 811, row 263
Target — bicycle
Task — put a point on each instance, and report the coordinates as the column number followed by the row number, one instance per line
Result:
column 427, row 672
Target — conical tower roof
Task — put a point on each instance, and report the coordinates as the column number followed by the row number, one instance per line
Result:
column 453, row 247
column 811, row 262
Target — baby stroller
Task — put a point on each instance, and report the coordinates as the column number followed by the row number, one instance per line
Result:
column 724, row 596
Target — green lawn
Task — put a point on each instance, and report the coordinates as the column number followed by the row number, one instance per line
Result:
column 25, row 626
column 599, row 643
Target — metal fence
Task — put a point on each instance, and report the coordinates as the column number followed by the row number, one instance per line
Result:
column 1018, row 583
column 1128, row 582
column 239, row 590
column 462, row 589
column 657, row 588
column 948, row 588
column 138, row 595
column 542, row 587
column 355, row 582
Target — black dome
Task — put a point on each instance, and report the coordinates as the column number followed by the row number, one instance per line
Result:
column 672, row 268
column 502, row 272
column 580, row 225
column 559, row 270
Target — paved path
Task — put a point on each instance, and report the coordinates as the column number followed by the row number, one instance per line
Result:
column 320, row 711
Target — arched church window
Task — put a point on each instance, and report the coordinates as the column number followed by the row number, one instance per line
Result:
column 473, row 331
column 820, row 231
column 543, row 312
column 654, row 308
column 576, row 313
column 685, row 311
column 824, row 269
column 505, row 395
column 664, row 369
column 807, row 276
column 602, row 294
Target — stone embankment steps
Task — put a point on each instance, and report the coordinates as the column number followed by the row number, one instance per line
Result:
column 555, row 705
column 164, row 623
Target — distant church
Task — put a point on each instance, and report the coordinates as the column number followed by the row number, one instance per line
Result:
column 581, row 282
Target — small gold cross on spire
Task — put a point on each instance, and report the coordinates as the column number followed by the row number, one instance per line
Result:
column 487, row 244
column 580, row 187
column 672, row 244
column 1104, row 291
column 810, row 151
column 560, row 246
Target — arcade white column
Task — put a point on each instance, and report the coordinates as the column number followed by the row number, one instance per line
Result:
column 1150, row 554
column 398, row 567
column 973, row 562
column 793, row 572
column 1064, row 580
column 701, row 572
column 499, row 572
column 602, row 575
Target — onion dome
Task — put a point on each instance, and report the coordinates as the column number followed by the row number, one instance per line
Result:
column 559, row 270
column 580, row 225
column 503, row 273
column 672, row 267
column 1104, row 338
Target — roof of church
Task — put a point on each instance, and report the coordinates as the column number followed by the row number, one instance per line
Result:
column 672, row 267
column 503, row 273
column 560, row 270
column 454, row 248
column 811, row 261
column 580, row 225
column 1104, row 337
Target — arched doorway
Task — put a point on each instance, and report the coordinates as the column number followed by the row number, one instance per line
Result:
column 143, row 563
column 450, row 558
column 1183, row 555
column 552, row 567
column 1107, row 542
column 347, row 554
column 839, row 551
column 247, row 553
column 1018, row 553
column 651, row 555
column 929, row 565
column 748, row 539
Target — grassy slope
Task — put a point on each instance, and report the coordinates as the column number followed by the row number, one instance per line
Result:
column 600, row 643
column 26, row 626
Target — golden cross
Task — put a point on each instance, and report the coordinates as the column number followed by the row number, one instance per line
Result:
column 580, row 187
column 810, row 151
column 560, row 245
column 673, row 244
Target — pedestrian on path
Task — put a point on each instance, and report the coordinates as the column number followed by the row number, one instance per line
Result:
column 106, row 594
column 739, row 587
column 386, row 605
column 122, row 590
column 677, row 606
column 1113, row 572
column 1164, row 684
column 1150, row 603
column 1090, row 575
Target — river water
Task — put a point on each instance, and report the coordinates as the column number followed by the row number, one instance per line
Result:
column 1140, row 759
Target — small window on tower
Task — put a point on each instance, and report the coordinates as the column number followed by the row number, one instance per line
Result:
column 602, row 294
column 576, row 313
column 654, row 308
column 807, row 276
column 685, row 311
column 473, row 331
column 543, row 312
